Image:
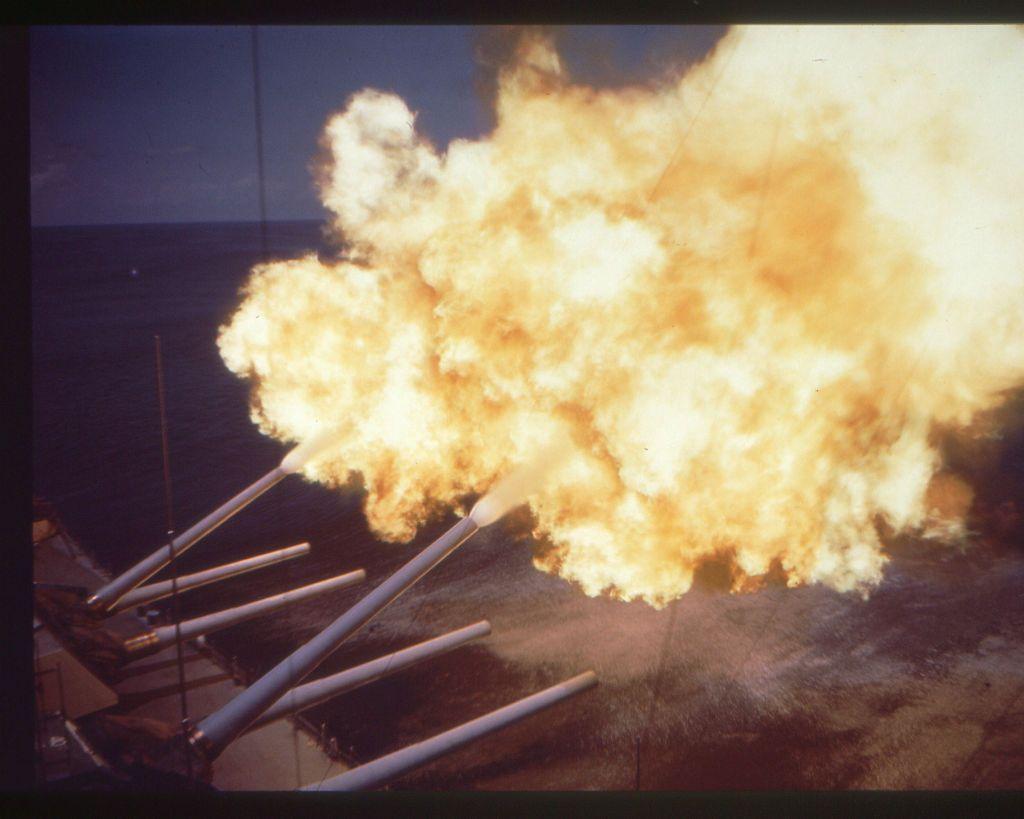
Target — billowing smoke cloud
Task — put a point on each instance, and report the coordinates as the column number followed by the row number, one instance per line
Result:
column 745, row 302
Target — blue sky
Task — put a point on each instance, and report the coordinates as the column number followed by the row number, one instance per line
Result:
column 156, row 123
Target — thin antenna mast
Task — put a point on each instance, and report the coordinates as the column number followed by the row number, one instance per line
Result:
column 174, row 558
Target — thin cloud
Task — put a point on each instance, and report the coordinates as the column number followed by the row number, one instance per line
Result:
column 53, row 172
column 177, row 150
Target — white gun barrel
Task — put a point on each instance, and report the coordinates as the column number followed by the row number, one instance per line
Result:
column 213, row 734
column 104, row 598
column 158, row 591
column 386, row 768
column 318, row 691
column 156, row 639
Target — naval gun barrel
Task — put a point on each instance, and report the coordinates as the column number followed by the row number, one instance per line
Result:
column 155, row 639
column 158, row 591
column 313, row 693
column 108, row 595
column 386, row 768
column 214, row 733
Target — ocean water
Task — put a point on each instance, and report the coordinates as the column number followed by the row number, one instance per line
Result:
column 785, row 688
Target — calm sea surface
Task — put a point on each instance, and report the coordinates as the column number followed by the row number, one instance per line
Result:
column 786, row 688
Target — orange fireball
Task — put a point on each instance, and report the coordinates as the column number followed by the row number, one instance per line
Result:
column 739, row 303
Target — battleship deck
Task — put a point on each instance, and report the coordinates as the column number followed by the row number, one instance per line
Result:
column 921, row 686
column 275, row 757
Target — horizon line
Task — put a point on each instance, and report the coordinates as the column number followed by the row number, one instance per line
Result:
column 175, row 223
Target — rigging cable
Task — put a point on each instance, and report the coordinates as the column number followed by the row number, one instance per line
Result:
column 258, row 109
column 265, row 253
column 693, row 122
column 768, row 174
column 656, row 692
column 670, row 628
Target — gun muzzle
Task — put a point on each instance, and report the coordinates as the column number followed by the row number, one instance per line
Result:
column 389, row 767
column 104, row 598
column 318, row 691
column 213, row 734
column 158, row 591
column 155, row 639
